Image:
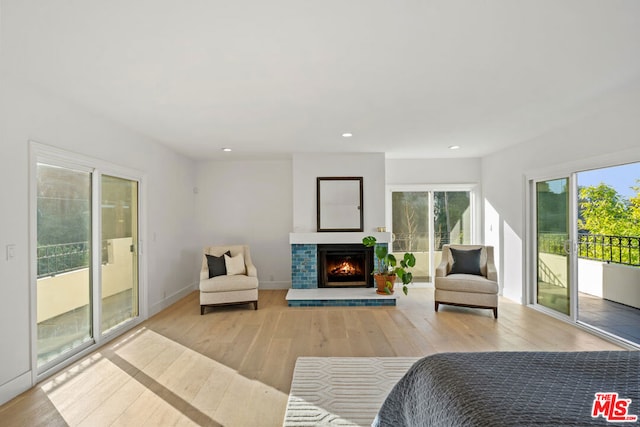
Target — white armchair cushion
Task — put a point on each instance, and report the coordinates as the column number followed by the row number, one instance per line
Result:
column 467, row 283
column 237, row 282
column 235, row 265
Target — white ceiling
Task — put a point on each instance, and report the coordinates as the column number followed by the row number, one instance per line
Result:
column 268, row 78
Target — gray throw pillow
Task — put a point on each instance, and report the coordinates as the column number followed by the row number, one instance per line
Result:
column 216, row 265
column 466, row 261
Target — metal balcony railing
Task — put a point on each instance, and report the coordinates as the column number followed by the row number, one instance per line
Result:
column 419, row 242
column 614, row 249
column 606, row 248
column 56, row 259
column 66, row 257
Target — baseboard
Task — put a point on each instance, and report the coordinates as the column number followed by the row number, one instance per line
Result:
column 274, row 285
column 171, row 299
column 14, row 387
column 175, row 297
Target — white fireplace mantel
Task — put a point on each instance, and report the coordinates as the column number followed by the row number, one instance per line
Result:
column 333, row 237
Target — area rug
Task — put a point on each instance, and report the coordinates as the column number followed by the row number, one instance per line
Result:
column 341, row 391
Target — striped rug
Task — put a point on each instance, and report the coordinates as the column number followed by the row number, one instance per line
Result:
column 341, row 391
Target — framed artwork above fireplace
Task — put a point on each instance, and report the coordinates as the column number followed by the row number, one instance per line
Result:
column 339, row 204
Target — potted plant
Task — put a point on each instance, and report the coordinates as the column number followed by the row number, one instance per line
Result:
column 387, row 268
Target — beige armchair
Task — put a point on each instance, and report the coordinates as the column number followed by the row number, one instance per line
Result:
column 479, row 290
column 230, row 279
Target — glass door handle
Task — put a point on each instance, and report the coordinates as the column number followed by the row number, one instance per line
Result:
column 570, row 247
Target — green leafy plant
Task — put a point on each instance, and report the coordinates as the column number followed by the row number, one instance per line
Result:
column 388, row 265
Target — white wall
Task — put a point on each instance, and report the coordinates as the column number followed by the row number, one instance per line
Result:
column 171, row 252
column 259, row 202
column 607, row 132
column 248, row 202
column 307, row 167
column 433, row 171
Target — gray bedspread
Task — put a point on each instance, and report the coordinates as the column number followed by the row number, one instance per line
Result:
column 511, row 389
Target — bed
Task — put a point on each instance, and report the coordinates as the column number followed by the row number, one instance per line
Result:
column 514, row 389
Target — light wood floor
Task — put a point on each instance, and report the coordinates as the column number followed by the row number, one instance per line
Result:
column 233, row 366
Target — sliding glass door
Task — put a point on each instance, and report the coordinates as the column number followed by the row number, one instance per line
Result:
column 64, row 310
column 585, row 248
column 423, row 221
column 410, row 227
column 87, row 257
column 553, row 249
column 119, row 267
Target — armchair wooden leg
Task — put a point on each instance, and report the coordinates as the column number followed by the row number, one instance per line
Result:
column 437, row 305
column 495, row 312
column 201, row 310
column 255, row 305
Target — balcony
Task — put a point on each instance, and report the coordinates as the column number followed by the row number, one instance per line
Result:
column 608, row 281
column 63, row 292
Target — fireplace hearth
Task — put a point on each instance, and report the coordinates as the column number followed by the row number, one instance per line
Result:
column 344, row 265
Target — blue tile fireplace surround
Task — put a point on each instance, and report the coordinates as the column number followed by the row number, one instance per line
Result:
column 304, row 266
column 304, row 290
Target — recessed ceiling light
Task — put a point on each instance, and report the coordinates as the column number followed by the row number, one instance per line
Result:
column 454, row 147
column 347, row 135
column 226, row 150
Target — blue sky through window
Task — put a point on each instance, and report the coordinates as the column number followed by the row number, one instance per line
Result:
column 622, row 178
column 558, row 186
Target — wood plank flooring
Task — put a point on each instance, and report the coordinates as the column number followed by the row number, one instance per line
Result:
column 233, row 366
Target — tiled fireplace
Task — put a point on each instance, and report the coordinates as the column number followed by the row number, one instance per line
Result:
column 308, row 275
column 304, row 265
column 344, row 265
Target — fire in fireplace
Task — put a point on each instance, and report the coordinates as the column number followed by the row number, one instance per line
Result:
column 345, row 268
column 344, row 265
